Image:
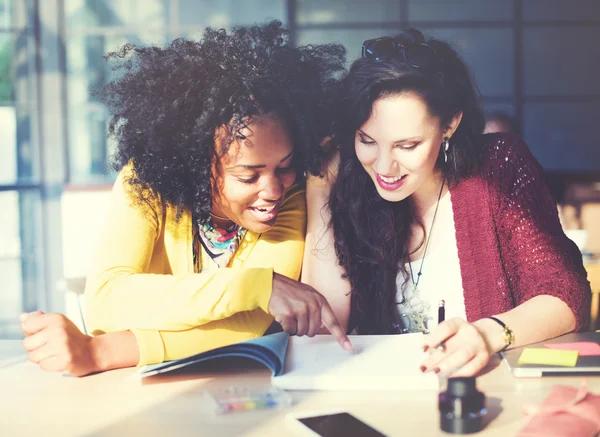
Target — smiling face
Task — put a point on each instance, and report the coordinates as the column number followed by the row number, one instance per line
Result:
column 254, row 175
column 399, row 144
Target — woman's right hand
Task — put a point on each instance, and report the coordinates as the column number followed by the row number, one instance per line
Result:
column 301, row 310
column 57, row 345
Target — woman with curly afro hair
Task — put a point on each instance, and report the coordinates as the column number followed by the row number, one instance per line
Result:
column 206, row 228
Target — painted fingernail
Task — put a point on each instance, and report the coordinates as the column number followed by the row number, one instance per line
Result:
column 423, row 369
column 437, row 370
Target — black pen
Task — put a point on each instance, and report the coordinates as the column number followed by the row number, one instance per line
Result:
column 441, row 311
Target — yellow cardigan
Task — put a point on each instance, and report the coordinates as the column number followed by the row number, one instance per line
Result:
column 143, row 278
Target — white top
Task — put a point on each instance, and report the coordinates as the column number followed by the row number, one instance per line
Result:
column 440, row 279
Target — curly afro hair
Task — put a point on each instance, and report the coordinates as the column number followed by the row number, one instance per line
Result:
column 167, row 104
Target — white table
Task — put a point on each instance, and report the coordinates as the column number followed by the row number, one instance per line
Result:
column 36, row 403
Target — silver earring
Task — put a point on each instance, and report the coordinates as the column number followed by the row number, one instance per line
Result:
column 446, row 146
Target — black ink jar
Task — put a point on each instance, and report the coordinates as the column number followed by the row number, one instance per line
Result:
column 462, row 407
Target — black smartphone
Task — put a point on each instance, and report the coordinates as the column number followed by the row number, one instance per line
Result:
column 334, row 424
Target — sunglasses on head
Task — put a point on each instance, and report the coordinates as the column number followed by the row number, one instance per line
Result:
column 420, row 55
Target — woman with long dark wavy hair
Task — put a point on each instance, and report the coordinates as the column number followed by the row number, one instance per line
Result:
column 205, row 233
column 420, row 212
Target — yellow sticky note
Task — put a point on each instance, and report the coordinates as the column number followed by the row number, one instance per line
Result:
column 549, row 357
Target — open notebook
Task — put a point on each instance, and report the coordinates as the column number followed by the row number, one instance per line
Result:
column 385, row 362
column 268, row 350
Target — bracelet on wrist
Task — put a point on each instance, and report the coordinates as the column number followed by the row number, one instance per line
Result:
column 509, row 335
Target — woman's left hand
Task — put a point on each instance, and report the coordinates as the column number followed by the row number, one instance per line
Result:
column 459, row 348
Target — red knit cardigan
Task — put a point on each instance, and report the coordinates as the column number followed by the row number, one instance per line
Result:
column 511, row 245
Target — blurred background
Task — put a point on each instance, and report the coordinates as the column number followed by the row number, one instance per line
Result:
column 537, row 64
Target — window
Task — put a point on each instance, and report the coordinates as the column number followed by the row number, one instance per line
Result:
column 532, row 59
column 21, row 269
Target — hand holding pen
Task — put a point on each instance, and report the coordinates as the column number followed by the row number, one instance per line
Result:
column 457, row 347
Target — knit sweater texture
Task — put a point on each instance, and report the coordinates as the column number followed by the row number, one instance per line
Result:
column 511, row 245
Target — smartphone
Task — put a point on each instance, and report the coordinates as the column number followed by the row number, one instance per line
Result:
column 331, row 424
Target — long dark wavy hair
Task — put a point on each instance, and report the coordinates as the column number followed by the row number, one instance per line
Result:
column 371, row 234
column 167, row 103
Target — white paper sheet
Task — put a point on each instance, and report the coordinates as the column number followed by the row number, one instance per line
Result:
column 376, row 362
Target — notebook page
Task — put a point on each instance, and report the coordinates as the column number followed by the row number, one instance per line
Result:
column 376, row 362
